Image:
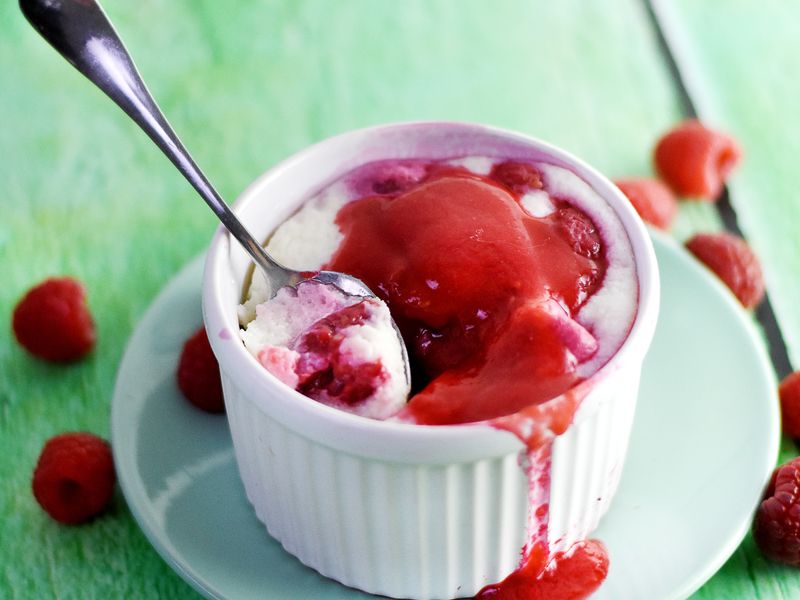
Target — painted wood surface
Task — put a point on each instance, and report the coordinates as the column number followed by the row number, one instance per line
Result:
column 248, row 83
column 739, row 63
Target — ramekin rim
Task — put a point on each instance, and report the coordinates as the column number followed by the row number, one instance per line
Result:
column 251, row 372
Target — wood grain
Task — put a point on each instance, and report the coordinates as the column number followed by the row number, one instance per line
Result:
column 738, row 66
column 86, row 194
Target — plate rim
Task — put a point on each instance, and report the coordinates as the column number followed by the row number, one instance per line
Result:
column 126, row 477
column 766, row 369
column 137, row 500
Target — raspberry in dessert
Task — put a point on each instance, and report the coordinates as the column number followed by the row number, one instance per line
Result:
column 338, row 349
column 512, row 282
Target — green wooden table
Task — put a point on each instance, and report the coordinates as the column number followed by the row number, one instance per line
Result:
column 248, row 83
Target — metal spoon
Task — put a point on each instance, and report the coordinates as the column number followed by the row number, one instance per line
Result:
column 80, row 31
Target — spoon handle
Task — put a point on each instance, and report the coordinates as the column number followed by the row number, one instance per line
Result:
column 80, row 31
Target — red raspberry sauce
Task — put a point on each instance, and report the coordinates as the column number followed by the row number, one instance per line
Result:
column 573, row 574
column 324, row 372
column 485, row 295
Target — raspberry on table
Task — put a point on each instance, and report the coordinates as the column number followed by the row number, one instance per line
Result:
column 695, row 160
column 732, row 260
column 52, row 321
column 74, row 477
column 198, row 374
column 789, row 392
column 776, row 527
column 652, row 199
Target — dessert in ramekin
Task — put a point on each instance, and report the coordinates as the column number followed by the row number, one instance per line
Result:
column 414, row 510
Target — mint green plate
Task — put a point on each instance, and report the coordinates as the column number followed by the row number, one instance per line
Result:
column 704, row 441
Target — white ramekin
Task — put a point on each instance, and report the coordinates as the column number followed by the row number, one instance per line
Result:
column 402, row 510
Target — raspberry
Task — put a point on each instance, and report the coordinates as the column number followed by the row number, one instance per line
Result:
column 653, row 200
column 733, row 262
column 789, row 392
column 53, row 322
column 694, row 160
column 74, row 477
column 198, row 374
column 776, row 527
column 516, row 176
column 396, row 178
column 580, row 231
column 324, row 370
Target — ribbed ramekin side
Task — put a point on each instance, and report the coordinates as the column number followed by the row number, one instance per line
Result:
column 588, row 460
column 372, row 513
column 424, row 531
column 400, row 530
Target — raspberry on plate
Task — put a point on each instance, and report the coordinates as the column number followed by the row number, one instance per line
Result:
column 198, row 374
column 652, row 199
column 53, row 322
column 74, row 477
column 695, row 160
column 789, row 392
column 776, row 527
column 734, row 263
